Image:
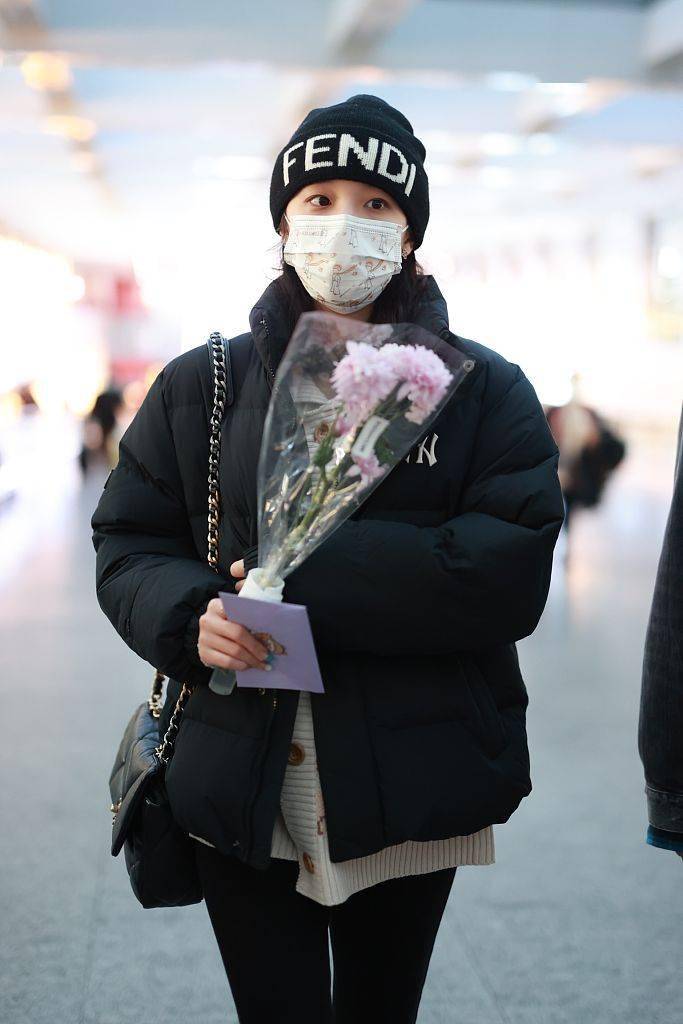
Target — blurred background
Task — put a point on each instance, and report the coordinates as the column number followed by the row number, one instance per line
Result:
column 136, row 146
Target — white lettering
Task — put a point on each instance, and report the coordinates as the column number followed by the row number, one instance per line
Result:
column 382, row 167
column 422, row 450
column 366, row 157
column 310, row 164
column 287, row 163
column 411, row 180
column 347, row 144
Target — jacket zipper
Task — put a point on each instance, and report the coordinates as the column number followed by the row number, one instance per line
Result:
column 269, row 370
column 257, row 786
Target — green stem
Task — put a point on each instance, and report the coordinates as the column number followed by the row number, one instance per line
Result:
column 325, row 484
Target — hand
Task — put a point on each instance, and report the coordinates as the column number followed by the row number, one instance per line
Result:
column 226, row 644
column 237, row 569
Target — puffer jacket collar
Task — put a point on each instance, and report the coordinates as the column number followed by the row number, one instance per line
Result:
column 270, row 331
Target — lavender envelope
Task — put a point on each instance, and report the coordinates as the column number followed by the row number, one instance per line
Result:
column 287, row 636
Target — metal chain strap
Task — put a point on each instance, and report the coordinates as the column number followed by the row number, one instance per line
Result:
column 154, row 702
column 165, row 748
column 215, row 446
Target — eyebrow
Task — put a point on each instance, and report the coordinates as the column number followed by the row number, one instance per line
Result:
column 321, row 186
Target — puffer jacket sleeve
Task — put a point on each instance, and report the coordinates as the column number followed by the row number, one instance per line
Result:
column 479, row 579
column 660, row 723
column 150, row 581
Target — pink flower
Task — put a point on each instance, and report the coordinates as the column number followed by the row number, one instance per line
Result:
column 368, row 466
column 425, row 378
column 364, row 377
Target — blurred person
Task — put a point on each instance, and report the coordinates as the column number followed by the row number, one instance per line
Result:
column 341, row 816
column 660, row 726
column 27, row 398
column 589, row 452
column 100, row 437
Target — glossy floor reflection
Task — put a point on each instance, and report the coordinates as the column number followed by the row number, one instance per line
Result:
column 578, row 921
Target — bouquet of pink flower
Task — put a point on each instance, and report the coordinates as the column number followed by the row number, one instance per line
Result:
column 349, row 401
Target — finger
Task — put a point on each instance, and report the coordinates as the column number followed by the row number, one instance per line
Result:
column 239, row 585
column 215, row 607
column 239, row 634
column 229, row 649
column 237, row 568
column 234, row 648
column 217, row 659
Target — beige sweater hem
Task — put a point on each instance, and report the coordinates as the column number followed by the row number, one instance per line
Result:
column 300, row 834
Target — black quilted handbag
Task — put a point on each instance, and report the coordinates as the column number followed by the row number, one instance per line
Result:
column 159, row 856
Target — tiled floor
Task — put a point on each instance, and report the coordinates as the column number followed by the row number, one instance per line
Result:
column 578, row 922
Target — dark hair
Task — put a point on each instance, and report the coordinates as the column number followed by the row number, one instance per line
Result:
column 394, row 305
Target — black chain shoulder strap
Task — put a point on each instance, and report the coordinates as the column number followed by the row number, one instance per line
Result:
column 222, row 393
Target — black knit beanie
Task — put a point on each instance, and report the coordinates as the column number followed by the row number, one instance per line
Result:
column 362, row 139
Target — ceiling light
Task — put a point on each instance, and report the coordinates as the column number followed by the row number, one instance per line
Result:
column 81, row 129
column 568, row 97
column 46, row 72
column 499, row 144
column 509, row 81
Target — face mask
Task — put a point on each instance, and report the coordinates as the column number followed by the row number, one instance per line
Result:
column 343, row 261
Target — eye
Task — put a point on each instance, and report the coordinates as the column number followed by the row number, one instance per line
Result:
column 311, row 198
column 378, row 200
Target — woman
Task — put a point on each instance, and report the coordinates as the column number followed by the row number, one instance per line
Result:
column 348, row 810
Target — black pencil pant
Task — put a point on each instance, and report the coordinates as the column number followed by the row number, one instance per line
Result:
column 274, row 943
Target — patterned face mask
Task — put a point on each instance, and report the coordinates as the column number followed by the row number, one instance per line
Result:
column 343, row 261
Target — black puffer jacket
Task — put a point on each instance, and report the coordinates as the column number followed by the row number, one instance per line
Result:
column 415, row 603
